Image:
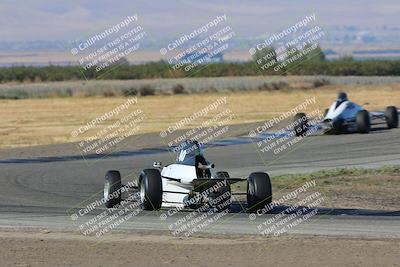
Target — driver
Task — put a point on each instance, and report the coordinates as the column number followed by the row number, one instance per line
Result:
column 192, row 154
column 201, row 163
column 342, row 97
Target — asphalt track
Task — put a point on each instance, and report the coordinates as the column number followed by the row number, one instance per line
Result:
column 41, row 189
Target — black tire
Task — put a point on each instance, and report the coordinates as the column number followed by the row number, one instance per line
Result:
column 326, row 112
column 301, row 124
column 392, row 117
column 222, row 175
column 259, row 191
column 112, row 189
column 363, row 121
column 150, row 188
column 337, row 126
column 224, row 202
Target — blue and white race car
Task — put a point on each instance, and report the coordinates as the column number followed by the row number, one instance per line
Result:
column 344, row 116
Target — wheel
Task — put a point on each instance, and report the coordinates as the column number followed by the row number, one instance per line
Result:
column 222, row 198
column 259, row 191
column 326, row 112
column 222, row 175
column 150, row 188
column 363, row 121
column 224, row 202
column 392, row 117
column 301, row 124
column 337, row 126
column 112, row 189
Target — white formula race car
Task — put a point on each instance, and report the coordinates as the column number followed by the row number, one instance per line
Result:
column 345, row 116
column 190, row 182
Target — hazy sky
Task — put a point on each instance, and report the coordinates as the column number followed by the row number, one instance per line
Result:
column 27, row 20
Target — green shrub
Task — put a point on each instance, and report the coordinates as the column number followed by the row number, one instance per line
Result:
column 147, row 90
column 130, row 92
column 179, row 89
column 320, row 82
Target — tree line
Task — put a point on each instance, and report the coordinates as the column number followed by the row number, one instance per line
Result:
column 312, row 63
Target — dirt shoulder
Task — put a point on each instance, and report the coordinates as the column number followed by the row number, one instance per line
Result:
column 353, row 188
column 132, row 249
column 368, row 191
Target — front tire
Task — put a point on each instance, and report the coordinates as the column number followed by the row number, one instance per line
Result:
column 224, row 202
column 222, row 175
column 363, row 121
column 259, row 191
column 150, row 188
column 337, row 126
column 112, row 189
column 392, row 117
column 326, row 112
column 300, row 124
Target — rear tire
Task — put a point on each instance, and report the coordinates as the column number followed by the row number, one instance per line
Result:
column 259, row 191
column 337, row 126
column 224, row 202
column 112, row 189
column 222, row 175
column 326, row 112
column 150, row 188
column 392, row 117
column 363, row 121
column 301, row 124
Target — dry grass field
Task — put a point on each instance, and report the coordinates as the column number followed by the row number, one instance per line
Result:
column 29, row 122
